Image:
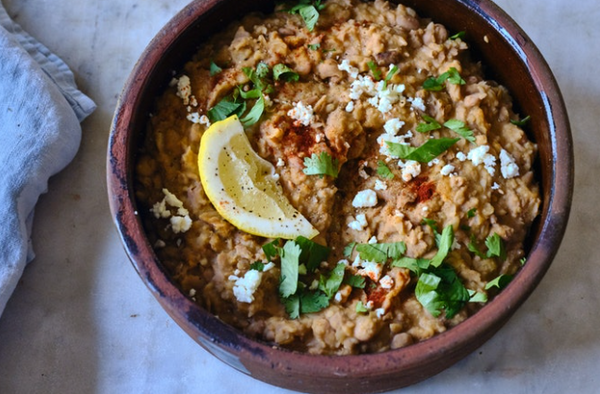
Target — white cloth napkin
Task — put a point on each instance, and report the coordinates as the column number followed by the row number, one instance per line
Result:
column 40, row 111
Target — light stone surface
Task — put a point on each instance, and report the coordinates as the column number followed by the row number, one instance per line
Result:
column 81, row 320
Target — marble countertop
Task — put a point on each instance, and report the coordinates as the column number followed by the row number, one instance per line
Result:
column 81, row 320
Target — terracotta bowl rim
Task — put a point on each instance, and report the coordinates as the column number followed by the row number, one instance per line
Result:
column 208, row 329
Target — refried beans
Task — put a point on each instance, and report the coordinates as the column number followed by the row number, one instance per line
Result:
column 425, row 221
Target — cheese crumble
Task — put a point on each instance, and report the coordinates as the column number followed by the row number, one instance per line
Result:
column 365, row 199
column 302, row 113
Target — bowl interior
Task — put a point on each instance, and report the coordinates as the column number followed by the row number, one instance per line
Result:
column 509, row 57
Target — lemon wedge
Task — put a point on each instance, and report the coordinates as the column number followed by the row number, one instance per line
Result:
column 243, row 187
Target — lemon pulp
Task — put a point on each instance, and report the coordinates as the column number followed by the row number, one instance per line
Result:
column 243, row 187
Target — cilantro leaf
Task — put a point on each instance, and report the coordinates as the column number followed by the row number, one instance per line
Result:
column 331, row 284
column 444, row 246
column 374, row 70
column 393, row 70
column 272, row 249
column 437, row 84
column 292, row 306
column 214, row 69
column 521, row 122
column 381, row 252
column 441, row 289
column 349, row 249
column 460, row 34
column 471, row 213
column 314, row 47
column 255, row 113
column 460, row 128
column 430, row 125
column 424, row 153
column 356, row 281
column 472, row 246
column 311, row 302
column 321, row 165
column 523, row 261
column 250, row 94
column 257, row 266
column 360, row 308
column 224, row 109
column 414, row 265
column 309, row 12
column 431, row 223
column 500, row 282
column 283, row 72
column 495, row 246
column 476, row 296
column 384, row 171
column 290, row 257
column 312, row 253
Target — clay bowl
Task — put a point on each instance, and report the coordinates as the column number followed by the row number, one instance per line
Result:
column 510, row 58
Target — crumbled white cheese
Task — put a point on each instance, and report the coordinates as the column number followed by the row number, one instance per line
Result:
column 365, row 199
column 195, row 117
column 387, row 137
column 361, row 170
column 280, row 162
column 461, row 156
column 380, row 185
column 379, row 312
column 192, row 292
column 181, row 222
column 372, row 240
column 302, row 113
column 359, row 223
column 417, row 103
column 447, row 169
column 350, row 106
column 480, row 155
column 345, row 66
column 382, row 95
column 245, row 286
column 371, row 269
column 433, row 162
column 184, row 89
column 392, row 126
column 410, row 169
column 386, row 282
column 495, row 186
column 508, row 167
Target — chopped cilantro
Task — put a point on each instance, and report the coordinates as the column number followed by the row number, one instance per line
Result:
column 225, row 108
column 290, row 258
column 437, row 84
column 461, row 129
column 214, row 69
column 283, row 72
column 374, row 70
column 523, row 261
column 431, row 223
column 250, row 94
column 330, row 284
column 460, row 34
column 257, row 266
column 495, row 246
column 255, row 113
column 360, row 308
column 309, row 11
column 356, row 281
column 414, row 265
column 424, row 153
column 445, row 243
column 393, row 70
column 381, row 252
column 349, row 249
column 384, row 171
column 314, row 47
column 472, row 246
column 272, row 249
column 441, row 289
column 312, row 253
column 321, row 165
column 476, row 296
column 500, row 282
column 521, row 122
column 311, row 302
column 329, row 50
column 471, row 213
column 429, row 125
column 292, row 306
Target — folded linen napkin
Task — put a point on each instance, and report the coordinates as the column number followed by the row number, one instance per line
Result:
column 40, row 111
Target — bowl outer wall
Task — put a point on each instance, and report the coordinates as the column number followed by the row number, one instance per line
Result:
column 517, row 64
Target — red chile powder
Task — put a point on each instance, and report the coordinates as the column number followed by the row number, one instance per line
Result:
column 299, row 140
column 423, row 189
